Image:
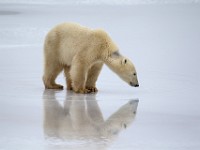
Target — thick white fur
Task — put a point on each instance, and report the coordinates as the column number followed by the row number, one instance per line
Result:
column 81, row 53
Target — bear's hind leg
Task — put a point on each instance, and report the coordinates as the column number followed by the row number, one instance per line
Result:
column 51, row 71
column 92, row 76
column 68, row 78
column 78, row 74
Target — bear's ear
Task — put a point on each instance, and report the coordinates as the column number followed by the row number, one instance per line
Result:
column 124, row 61
column 115, row 54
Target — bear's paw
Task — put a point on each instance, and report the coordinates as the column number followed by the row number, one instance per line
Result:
column 92, row 89
column 82, row 91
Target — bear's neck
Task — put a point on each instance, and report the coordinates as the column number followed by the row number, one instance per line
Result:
column 113, row 64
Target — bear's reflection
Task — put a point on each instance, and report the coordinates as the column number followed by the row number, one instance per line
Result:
column 80, row 117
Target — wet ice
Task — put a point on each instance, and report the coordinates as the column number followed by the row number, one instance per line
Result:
column 161, row 40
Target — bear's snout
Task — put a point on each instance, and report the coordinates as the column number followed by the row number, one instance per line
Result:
column 135, row 85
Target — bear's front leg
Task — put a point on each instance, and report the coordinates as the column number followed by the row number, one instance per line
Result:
column 78, row 74
column 92, row 76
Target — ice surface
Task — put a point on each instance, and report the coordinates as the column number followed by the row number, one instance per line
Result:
column 162, row 40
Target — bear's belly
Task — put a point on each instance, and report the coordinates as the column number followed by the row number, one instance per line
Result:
column 68, row 49
column 66, row 55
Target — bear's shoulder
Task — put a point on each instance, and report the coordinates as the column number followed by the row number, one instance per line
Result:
column 100, row 33
column 105, row 40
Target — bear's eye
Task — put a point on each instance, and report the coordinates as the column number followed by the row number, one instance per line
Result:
column 134, row 74
column 125, row 61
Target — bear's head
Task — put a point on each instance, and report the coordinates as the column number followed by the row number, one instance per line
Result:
column 121, row 119
column 124, row 68
column 128, row 73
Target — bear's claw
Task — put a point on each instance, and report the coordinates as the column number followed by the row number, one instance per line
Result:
column 70, row 88
column 92, row 89
column 82, row 91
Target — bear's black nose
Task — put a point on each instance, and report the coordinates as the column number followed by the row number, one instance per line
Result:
column 137, row 85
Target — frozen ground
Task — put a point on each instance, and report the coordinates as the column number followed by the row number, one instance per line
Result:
column 162, row 40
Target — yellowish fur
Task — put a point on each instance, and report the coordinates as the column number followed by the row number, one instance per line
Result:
column 81, row 53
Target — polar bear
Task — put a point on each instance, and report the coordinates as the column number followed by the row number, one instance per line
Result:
column 81, row 53
column 80, row 117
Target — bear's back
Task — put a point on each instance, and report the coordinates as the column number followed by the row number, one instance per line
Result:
column 70, row 38
column 67, row 39
column 72, row 29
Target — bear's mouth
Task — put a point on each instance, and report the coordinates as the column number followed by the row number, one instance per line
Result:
column 132, row 84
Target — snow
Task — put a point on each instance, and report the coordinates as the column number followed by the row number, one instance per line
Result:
column 161, row 40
